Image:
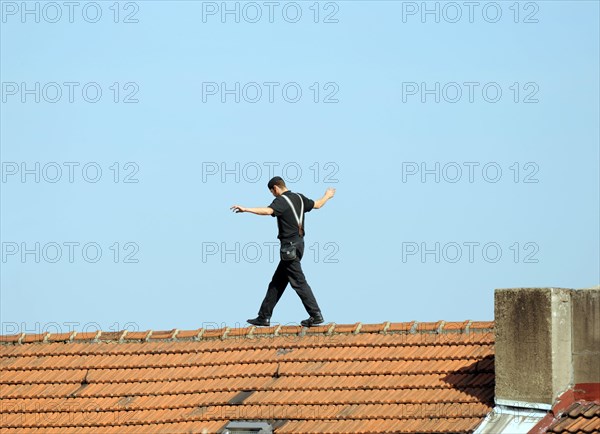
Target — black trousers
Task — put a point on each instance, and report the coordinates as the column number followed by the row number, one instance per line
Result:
column 289, row 272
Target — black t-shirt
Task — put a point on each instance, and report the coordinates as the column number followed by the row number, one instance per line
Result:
column 286, row 222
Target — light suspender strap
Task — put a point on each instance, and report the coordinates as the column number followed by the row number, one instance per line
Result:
column 298, row 219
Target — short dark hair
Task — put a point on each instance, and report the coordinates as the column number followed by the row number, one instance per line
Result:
column 276, row 181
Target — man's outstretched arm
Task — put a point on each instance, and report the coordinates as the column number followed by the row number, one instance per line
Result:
column 258, row 211
column 328, row 195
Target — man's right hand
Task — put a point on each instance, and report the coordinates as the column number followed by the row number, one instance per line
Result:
column 330, row 192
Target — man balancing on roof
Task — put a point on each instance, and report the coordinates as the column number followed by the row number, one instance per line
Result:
column 289, row 208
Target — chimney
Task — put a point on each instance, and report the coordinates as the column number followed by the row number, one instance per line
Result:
column 547, row 342
column 586, row 336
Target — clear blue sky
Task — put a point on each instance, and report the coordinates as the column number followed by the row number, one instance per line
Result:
column 374, row 63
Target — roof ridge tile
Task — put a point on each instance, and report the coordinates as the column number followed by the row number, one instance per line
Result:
column 224, row 333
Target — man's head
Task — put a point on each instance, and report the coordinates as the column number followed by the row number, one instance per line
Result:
column 277, row 186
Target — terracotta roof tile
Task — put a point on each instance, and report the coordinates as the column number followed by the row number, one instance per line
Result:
column 581, row 416
column 289, row 330
column 401, row 326
column 322, row 329
column 35, row 337
column 347, row 328
column 371, row 378
column 157, row 335
column 456, row 326
column 481, row 325
column 131, row 336
column 373, row 328
column 240, row 332
column 429, row 326
column 85, row 336
column 11, row 338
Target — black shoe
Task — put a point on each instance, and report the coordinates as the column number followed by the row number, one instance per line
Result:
column 259, row 321
column 312, row 321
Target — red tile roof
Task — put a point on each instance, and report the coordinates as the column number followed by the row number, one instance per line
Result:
column 579, row 417
column 357, row 378
column 577, row 410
